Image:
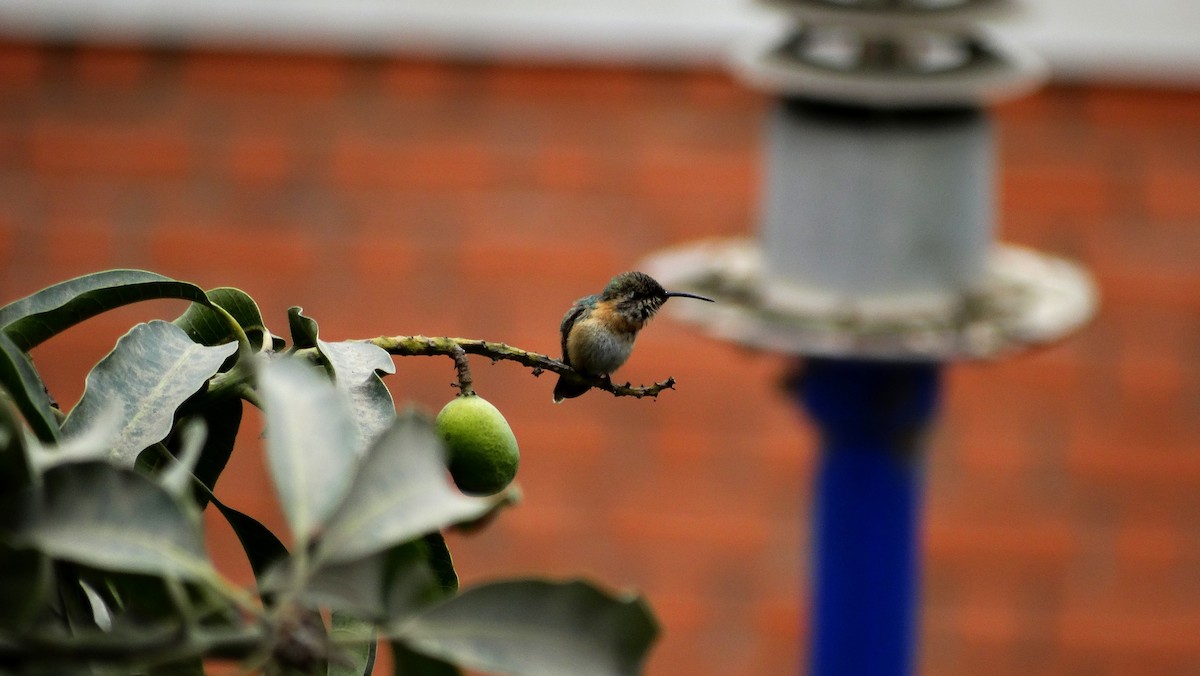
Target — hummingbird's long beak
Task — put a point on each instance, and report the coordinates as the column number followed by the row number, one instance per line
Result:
column 682, row 294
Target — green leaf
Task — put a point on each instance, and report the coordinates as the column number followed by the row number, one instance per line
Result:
column 310, row 444
column 87, row 444
column 177, row 476
column 389, row 585
column 357, row 640
column 137, row 603
column 415, row 579
column 188, row 666
column 153, row 369
column 35, row 318
column 400, row 492
column 112, row 518
column 222, row 418
column 15, row 470
column 537, row 628
column 101, row 610
column 72, row 603
column 24, row 585
column 405, row 662
column 355, row 587
column 24, row 385
column 356, row 367
column 304, row 329
column 207, row 327
column 442, row 564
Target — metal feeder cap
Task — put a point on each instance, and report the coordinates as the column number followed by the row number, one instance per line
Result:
column 1027, row 298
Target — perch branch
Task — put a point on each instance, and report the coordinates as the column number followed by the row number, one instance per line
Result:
column 417, row 346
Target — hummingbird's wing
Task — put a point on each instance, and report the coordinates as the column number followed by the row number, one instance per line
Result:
column 577, row 310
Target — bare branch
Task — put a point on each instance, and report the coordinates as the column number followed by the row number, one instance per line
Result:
column 415, row 346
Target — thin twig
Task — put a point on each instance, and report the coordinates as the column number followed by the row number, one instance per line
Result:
column 415, row 346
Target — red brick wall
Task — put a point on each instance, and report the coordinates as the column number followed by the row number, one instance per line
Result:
column 408, row 196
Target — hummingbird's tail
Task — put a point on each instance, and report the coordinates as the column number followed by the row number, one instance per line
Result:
column 569, row 388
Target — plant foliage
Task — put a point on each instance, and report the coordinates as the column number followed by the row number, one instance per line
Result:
column 103, row 566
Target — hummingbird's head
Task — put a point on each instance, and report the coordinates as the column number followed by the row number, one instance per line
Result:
column 638, row 295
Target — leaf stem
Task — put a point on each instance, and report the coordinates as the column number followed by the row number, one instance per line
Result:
column 239, row 334
column 465, row 382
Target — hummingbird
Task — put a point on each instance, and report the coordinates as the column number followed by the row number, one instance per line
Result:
column 598, row 331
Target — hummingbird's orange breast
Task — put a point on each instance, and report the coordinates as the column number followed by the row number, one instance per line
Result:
column 606, row 314
column 600, row 342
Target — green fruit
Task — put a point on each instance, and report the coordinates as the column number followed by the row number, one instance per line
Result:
column 481, row 449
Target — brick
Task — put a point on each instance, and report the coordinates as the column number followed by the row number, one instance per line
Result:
column 21, row 64
column 1172, row 194
column 1145, row 546
column 432, row 79
column 429, row 164
column 700, row 215
column 1157, row 146
column 12, row 148
column 81, row 248
column 741, row 130
column 677, row 172
column 384, row 259
column 1153, row 379
column 781, row 617
column 214, row 667
column 735, row 532
column 1160, row 472
column 1107, row 631
column 707, row 476
column 496, row 262
column 1157, row 288
column 8, row 238
column 710, row 89
column 1152, row 250
column 990, row 460
column 522, row 218
column 553, row 84
column 1047, row 543
column 561, row 167
column 262, row 159
column 996, row 621
column 315, row 77
column 1027, row 147
column 246, row 258
column 1052, row 105
column 1141, row 107
column 109, row 67
column 693, row 615
column 223, row 547
column 1063, row 190
column 114, row 149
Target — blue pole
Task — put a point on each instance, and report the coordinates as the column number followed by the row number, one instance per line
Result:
column 872, row 417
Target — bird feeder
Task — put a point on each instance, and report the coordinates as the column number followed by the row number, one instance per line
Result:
column 876, row 262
